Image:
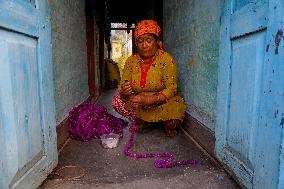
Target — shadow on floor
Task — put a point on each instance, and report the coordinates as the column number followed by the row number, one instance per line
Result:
column 87, row 165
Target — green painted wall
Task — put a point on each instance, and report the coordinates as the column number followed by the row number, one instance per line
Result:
column 69, row 55
column 191, row 35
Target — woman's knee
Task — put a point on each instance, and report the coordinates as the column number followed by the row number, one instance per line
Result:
column 119, row 106
column 116, row 101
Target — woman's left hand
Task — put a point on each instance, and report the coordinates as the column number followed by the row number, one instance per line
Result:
column 143, row 100
column 136, row 100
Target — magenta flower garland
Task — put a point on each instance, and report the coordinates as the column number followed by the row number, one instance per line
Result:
column 164, row 163
column 87, row 122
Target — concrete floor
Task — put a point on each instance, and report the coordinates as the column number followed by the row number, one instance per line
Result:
column 87, row 165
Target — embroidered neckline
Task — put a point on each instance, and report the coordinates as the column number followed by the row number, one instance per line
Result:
column 147, row 62
column 145, row 70
column 144, row 73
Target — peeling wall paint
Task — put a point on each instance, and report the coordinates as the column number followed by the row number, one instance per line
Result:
column 191, row 35
column 69, row 55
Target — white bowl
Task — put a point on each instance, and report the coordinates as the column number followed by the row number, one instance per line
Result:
column 110, row 140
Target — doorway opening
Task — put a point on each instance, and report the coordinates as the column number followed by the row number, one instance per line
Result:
column 122, row 43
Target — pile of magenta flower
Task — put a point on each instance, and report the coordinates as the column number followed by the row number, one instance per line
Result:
column 88, row 121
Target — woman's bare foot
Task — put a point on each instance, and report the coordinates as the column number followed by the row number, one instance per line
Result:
column 171, row 132
column 171, row 127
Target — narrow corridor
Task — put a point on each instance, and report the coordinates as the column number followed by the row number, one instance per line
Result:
column 88, row 165
column 229, row 54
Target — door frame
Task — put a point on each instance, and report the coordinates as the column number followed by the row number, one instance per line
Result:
column 41, row 31
column 274, row 68
column 90, row 34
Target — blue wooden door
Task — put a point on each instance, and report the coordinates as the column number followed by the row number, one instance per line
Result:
column 250, row 105
column 27, row 119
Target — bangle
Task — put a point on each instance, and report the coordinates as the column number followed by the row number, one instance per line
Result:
column 159, row 98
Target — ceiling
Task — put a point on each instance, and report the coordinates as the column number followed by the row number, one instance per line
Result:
column 127, row 11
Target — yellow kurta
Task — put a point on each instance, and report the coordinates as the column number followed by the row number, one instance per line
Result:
column 161, row 78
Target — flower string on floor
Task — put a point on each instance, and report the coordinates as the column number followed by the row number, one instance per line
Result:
column 164, row 163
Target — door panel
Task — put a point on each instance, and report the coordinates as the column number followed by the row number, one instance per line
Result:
column 26, row 95
column 248, row 19
column 245, row 92
column 248, row 137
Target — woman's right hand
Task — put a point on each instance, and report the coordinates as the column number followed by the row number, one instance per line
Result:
column 126, row 89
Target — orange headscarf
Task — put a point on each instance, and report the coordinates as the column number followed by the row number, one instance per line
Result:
column 148, row 26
